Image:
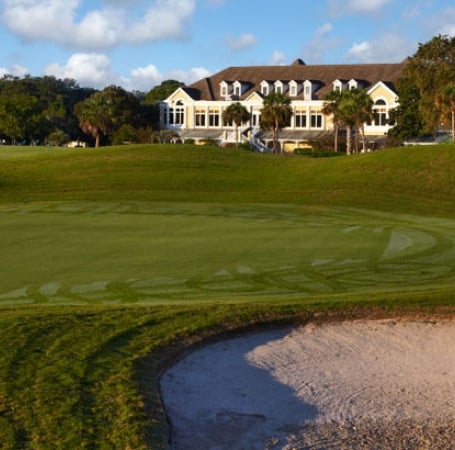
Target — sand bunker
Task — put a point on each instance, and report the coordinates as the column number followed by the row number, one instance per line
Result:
column 376, row 384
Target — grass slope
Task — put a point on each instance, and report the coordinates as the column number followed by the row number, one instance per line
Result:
column 115, row 260
column 410, row 179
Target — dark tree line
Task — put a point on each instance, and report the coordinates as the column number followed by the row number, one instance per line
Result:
column 51, row 111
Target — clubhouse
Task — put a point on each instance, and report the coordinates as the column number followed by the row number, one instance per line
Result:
column 195, row 112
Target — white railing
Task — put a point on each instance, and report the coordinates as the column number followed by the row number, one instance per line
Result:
column 257, row 145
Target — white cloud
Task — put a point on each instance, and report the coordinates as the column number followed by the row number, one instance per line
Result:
column 94, row 70
column 33, row 19
column 387, row 48
column 16, row 70
column 278, row 59
column 188, row 76
column 56, row 21
column 88, row 69
column 343, row 7
column 245, row 40
column 366, row 5
column 163, row 20
column 145, row 78
column 321, row 41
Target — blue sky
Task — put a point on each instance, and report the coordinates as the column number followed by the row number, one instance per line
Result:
column 137, row 44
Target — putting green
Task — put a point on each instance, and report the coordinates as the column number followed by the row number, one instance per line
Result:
column 76, row 252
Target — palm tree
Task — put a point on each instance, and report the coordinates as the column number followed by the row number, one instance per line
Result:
column 330, row 108
column 345, row 114
column 364, row 112
column 353, row 110
column 236, row 113
column 95, row 115
column 275, row 115
column 447, row 104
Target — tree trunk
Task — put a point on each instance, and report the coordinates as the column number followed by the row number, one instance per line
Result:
column 274, row 140
column 335, row 139
column 356, row 140
column 362, row 135
column 453, row 125
column 348, row 140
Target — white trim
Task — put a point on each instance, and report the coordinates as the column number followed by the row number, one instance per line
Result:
column 382, row 84
column 265, row 87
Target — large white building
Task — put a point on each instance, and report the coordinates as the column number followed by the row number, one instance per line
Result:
column 196, row 112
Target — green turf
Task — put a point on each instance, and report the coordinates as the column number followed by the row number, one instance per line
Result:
column 115, row 260
column 156, row 253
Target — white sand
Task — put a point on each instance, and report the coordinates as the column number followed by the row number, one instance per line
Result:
column 295, row 388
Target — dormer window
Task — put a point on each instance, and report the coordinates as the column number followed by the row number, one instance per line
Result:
column 224, row 89
column 265, row 88
column 293, row 88
column 353, row 84
column 279, row 87
column 237, row 88
column 307, row 90
column 338, row 85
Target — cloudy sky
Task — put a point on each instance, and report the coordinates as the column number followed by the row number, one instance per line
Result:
column 137, row 44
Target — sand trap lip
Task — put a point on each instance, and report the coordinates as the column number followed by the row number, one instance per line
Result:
column 261, row 390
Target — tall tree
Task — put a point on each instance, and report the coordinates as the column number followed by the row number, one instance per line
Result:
column 432, row 66
column 353, row 110
column 276, row 114
column 446, row 102
column 346, row 115
column 364, row 113
column 406, row 118
column 20, row 115
column 95, row 115
column 237, row 114
column 330, row 108
column 162, row 91
column 125, row 107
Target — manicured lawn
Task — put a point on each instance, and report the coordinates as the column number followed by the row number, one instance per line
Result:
column 113, row 261
column 85, row 253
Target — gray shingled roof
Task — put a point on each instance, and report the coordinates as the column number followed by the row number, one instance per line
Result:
column 323, row 75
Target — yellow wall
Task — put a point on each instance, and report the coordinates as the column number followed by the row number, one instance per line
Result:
column 383, row 92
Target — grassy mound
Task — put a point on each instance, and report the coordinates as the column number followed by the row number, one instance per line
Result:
column 418, row 180
column 116, row 259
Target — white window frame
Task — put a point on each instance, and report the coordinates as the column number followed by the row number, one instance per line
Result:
column 224, row 89
column 353, row 84
column 338, row 85
column 279, row 87
column 380, row 112
column 237, row 88
column 316, row 120
column 307, row 90
column 293, row 88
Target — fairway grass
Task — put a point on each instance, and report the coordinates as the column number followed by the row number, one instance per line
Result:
column 115, row 261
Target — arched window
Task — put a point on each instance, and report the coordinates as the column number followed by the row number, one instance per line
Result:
column 177, row 114
column 380, row 113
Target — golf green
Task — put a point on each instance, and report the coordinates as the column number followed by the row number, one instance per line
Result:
column 92, row 252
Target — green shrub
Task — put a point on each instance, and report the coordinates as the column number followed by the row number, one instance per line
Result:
column 316, row 153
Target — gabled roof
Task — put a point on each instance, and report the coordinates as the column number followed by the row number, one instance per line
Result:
column 324, row 75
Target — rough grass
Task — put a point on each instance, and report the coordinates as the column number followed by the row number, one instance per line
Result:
column 114, row 261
